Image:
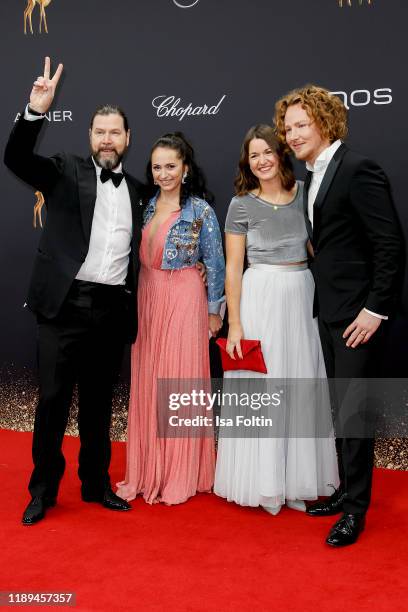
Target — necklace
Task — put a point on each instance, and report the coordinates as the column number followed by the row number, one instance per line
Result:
column 276, row 203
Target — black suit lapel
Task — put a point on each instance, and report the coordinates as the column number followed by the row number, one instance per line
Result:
column 329, row 176
column 135, row 201
column 306, row 204
column 87, row 194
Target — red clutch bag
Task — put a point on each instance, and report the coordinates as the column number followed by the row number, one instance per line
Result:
column 253, row 358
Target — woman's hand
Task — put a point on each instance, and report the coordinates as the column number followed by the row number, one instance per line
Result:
column 214, row 324
column 235, row 335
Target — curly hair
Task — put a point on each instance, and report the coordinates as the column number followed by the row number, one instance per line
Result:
column 194, row 184
column 326, row 109
column 245, row 180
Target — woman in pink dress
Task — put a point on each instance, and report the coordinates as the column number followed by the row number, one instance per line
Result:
column 175, row 316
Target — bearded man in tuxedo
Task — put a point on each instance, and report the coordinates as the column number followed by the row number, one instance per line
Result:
column 82, row 291
column 357, row 264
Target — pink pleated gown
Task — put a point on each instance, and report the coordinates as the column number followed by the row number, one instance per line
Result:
column 172, row 342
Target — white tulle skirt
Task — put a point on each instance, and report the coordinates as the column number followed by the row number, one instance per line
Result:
column 276, row 308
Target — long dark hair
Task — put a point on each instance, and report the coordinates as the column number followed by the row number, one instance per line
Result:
column 195, row 183
column 245, row 180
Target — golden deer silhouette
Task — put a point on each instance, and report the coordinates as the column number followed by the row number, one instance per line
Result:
column 29, row 11
column 349, row 2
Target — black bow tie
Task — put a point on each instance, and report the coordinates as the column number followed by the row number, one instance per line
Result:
column 116, row 177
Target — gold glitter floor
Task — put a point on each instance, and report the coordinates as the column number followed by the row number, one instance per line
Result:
column 18, row 398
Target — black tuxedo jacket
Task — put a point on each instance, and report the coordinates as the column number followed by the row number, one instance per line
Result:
column 356, row 237
column 68, row 183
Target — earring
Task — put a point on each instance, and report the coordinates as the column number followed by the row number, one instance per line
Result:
column 185, row 175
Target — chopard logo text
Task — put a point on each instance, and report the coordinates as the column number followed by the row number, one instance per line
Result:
column 169, row 106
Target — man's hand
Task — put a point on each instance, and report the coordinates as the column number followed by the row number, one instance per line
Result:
column 44, row 88
column 361, row 329
column 214, row 324
column 203, row 271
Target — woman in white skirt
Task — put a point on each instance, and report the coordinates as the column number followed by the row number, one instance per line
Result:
column 272, row 301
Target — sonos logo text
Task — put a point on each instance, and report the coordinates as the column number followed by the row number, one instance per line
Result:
column 364, row 97
column 186, row 3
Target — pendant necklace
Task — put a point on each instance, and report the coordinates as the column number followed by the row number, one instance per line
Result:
column 274, row 206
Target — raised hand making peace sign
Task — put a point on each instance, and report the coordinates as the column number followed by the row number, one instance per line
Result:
column 43, row 91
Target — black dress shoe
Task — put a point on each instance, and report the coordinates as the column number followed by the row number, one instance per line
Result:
column 332, row 505
column 108, row 499
column 35, row 510
column 346, row 530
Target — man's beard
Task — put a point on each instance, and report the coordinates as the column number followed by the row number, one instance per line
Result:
column 108, row 163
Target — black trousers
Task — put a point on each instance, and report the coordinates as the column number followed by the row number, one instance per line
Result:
column 347, row 370
column 83, row 344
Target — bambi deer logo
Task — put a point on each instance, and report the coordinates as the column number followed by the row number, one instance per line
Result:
column 350, row 2
column 29, row 11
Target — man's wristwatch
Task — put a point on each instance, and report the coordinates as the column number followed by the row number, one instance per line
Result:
column 34, row 112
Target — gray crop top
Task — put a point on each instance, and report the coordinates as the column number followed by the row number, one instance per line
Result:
column 274, row 234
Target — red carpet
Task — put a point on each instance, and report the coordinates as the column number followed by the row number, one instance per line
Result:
column 204, row 555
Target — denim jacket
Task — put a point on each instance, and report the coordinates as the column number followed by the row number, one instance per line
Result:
column 195, row 236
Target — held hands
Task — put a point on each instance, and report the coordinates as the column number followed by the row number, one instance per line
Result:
column 43, row 91
column 235, row 335
column 214, row 324
column 203, row 271
column 361, row 329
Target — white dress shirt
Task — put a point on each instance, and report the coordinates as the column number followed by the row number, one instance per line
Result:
column 109, row 246
column 319, row 168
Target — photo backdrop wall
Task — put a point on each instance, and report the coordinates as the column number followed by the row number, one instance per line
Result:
column 211, row 68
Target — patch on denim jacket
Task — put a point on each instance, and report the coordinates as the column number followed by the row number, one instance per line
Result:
column 171, row 253
column 196, row 228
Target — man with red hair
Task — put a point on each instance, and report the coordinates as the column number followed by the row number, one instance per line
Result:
column 357, row 243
